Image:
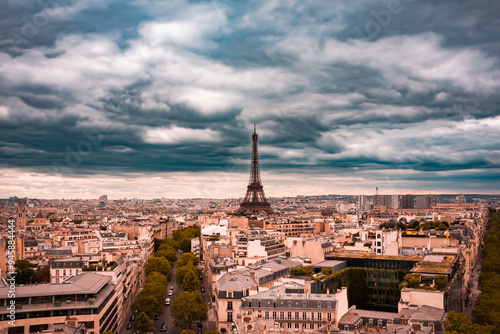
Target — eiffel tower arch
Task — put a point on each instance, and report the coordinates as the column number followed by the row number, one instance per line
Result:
column 255, row 200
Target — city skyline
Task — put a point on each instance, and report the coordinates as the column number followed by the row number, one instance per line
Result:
column 149, row 99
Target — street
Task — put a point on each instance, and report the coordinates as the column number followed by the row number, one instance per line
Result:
column 165, row 316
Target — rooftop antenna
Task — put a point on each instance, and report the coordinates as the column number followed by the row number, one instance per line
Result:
column 254, row 128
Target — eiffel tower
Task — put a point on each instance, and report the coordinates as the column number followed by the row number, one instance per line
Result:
column 255, row 201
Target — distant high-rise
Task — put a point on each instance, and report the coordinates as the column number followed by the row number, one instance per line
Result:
column 103, row 201
column 255, row 200
column 407, row 201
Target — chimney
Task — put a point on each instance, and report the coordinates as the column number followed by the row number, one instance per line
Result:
column 252, row 274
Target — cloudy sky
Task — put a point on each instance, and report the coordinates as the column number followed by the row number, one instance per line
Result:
column 158, row 98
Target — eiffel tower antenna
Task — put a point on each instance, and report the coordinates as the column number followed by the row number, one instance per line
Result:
column 255, row 200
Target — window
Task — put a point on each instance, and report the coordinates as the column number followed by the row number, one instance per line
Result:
column 289, row 325
column 282, row 315
column 229, row 316
column 312, row 316
column 289, row 316
column 230, row 295
column 370, row 322
column 71, row 271
column 266, row 315
column 297, row 316
column 320, row 316
column 297, row 325
column 379, row 323
column 229, row 305
column 329, row 316
column 57, row 280
column 304, row 316
column 64, row 272
column 311, row 326
column 57, row 272
column 274, row 315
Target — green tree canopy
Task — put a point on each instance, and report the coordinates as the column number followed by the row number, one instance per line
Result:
column 457, row 323
column 43, row 275
column 143, row 323
column 148, row 304
column 190, row 281
column 186, row 258
column 157, row 277
column 160, row 265
column 182, row 271
column 188, row 308
column 25, row 272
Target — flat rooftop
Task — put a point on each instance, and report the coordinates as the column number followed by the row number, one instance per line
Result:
column 85, row 283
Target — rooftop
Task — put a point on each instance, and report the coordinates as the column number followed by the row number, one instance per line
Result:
column 86, row 283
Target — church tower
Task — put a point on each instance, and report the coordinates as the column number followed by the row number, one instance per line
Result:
column 21, row 218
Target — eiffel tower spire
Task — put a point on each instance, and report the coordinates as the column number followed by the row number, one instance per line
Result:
column 255, row 200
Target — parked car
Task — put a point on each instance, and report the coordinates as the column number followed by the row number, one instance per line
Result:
column 132, row 318
column 163, row 327
column 202, row 288
column 129, row 325
column 167, row 301
column 170, row 293
column 172, row 287
column 156, row 317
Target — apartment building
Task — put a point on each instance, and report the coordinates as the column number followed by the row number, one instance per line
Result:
column 289, row 307
column 89, row 298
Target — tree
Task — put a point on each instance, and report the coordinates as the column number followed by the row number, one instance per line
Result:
column 43, row 275
column 143, row 323
column 147, row 303
column 182, row 271
column 186, row 258
column 457, row 323
column 326, row 271
column 157, row 277
column 25, row 272
column 440, row 282
column 188, row 331
column 160, row 265
column 188, row 308
column 155, row 289
column 212, row 332
column 190, row 281
column 297, row 271
column 410, row 281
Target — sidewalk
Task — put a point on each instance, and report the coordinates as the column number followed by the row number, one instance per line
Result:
column 475, row 291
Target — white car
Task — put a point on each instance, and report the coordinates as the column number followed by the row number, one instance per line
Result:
column 170, row 292
column 167, row 301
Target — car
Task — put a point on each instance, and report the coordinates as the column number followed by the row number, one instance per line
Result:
column 163, row 327
column 172, row 287
column 170, row 293
column 156, row 317
column 202, row 288
column 167, row 301
column 129, row 325
column 132, row 318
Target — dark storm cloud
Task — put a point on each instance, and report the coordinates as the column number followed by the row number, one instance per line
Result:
column 177, row 87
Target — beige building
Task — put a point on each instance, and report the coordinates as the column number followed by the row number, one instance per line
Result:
column 89, row 298
column 290, row 308
column 229, row 290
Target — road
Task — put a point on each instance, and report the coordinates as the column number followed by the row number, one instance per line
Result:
column 165, row 317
